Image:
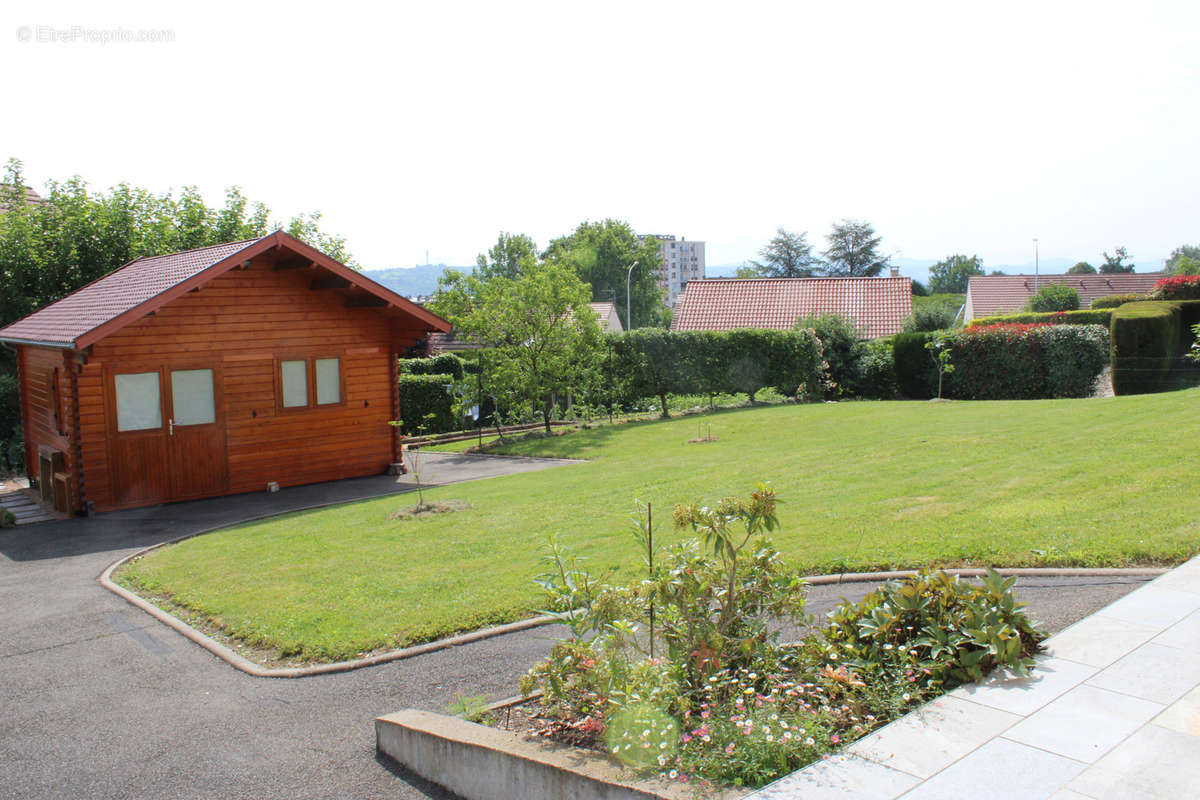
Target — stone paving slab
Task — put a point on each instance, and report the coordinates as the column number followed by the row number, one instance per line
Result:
column 1111, row 711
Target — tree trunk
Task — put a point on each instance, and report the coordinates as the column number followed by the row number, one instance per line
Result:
column 546, row 414
column 662, row 398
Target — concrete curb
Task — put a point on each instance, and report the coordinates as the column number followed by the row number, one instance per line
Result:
column 235, row 659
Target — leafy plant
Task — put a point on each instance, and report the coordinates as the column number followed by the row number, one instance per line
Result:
column 1054, row 297
column 1180, row 287
column 939, row 350
column 941, row 630
column 472, row 708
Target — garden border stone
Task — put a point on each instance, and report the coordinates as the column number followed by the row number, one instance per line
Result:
column 477, row 762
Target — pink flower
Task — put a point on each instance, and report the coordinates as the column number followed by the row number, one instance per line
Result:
column 687, row 737
column 729, row 748
column 703, row 715
column 835, row 739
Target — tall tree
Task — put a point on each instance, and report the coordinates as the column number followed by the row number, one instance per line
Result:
column 787, row 255
column 1082, row 268
column 1184, row 251
column 600, row 253
column 511, row 255
column 853, row 251
column 1116, row 262
column 543, row 336
column 748, row 270
column 951, row 274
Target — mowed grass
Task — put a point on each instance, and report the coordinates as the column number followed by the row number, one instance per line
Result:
column 865, row 485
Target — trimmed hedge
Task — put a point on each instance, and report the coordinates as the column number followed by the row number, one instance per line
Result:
column 444, row 364
column 1025, row 362
column 651, row 362
column 916, row 374
column 1149, row 340
column 1115, row 300
column 1091, row 316
column 421, row 395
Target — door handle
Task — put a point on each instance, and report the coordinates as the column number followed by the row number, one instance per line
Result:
column 171, row 427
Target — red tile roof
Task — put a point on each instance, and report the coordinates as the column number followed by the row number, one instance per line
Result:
column 145, row 284
column 988, row 295
column 878, row 305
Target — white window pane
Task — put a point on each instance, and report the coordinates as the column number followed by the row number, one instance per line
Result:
column 138, row 406
column 192, row 396
column 329, row 381
column 295, row 383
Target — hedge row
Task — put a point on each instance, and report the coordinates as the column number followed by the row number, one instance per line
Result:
column 1149, row 340
column 1092, row 316
column 1025, row 362
column 422, row 396
column 1011, row 361
column 445, row 364
column 649, row 362
column 1115, row 300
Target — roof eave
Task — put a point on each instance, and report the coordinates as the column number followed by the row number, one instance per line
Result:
column 38, row 343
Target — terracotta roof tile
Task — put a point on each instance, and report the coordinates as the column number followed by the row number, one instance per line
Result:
column 126, row 287
column 878, row 305
column 988, row 295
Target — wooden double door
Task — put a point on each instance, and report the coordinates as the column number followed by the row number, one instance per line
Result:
column 166, row 432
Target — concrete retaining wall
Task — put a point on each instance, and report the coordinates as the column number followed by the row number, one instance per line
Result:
column 481, row 763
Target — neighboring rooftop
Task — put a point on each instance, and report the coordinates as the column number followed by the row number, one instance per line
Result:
column 610, row 321
column 877, row 305
column 31, row 198
column 988, row 295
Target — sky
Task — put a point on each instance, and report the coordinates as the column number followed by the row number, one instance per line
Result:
column 430, row 127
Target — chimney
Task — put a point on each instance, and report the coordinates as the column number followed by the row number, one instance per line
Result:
column 895, row 272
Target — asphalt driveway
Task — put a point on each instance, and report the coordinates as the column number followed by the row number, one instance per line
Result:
column 99, row 700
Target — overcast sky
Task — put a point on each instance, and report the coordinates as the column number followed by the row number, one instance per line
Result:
column 952, row 127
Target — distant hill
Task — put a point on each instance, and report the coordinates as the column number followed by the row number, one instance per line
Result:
column 411, row 281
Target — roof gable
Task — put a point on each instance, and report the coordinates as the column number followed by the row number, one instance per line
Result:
column 988, row 295
column 144, row 285
column 877, row 305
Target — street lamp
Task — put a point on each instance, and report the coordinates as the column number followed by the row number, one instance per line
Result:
column 628, row 276
column 1035, row 266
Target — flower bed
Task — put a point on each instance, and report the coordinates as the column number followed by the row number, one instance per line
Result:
column 680, row 675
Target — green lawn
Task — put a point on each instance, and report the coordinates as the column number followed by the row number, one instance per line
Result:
column 865, row 485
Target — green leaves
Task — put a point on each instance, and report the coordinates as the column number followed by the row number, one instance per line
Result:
column 959, row 631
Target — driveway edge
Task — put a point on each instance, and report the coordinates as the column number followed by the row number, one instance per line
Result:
column 235, row 659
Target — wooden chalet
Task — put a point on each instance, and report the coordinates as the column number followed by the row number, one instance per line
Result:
column 210, row 372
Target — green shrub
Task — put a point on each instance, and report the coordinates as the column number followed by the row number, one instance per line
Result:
column 841, row 347
column 444, row 364
column 7, row 520
column 1179, row 287
column 12, row 448
column 916, row 373
column 1115, row 300
column 960, row 631
column 1053, row 297
column 930, row 317
column 421, row 396
column 1028, row 361
column 1144, row 337
column 1150, row 340
column 876, row 374
column 1083, row 317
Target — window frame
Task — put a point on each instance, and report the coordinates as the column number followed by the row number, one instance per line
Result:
column 310, row 377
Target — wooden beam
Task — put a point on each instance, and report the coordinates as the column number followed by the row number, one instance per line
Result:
column 368, row 301
column 292, row 263
column 332, row 282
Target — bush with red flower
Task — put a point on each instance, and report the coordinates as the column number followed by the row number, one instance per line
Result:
column 1179, row 287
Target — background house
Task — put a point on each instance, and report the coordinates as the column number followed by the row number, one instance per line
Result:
column 607, row 314
column 988, row 295
column 211, row 372
column 877, row 305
